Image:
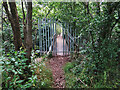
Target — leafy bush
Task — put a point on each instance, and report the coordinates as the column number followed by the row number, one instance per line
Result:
column 14, row 66
column 14, row 72
column 85, row 74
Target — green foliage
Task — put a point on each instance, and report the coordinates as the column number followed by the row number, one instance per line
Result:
column 44, row 76
column 14, row 65
column 14, row 68
column 99, row 32
column 68, row 66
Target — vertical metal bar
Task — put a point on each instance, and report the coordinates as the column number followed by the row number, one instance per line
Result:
column 56, row 37
column 63, row 39
column 48, row 35
column 40, row 39
column 70, row 39
column 50, row 31
column 73, row 39
column 39, row 35
column 45, row 35
column 53, row 35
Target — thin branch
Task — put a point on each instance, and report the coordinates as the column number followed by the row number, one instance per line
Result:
column 23, row 10
column 117, row 20
column 24, row 24
column 82, row 82
column 8, row 12
column 87, row 7
column 115, row 5
column 3, row 19
column 49, row 11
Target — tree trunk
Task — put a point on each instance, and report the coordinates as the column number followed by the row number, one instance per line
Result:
column 28, row 40
column 24, row 25
column 29, row 32
column 14, row 20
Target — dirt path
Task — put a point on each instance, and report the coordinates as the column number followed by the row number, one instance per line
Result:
column 59, row 47
column 56, row 65
column 58, row 61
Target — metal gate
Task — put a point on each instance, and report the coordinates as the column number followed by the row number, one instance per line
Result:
column 49, row 41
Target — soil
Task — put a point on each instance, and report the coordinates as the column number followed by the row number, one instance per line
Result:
column 56, row 64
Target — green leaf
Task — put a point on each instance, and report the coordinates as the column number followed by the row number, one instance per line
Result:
column 7, row 62
column 19, row 81
column 14, row 71
column 15, row 52
column 1, row 62
column 13, row 59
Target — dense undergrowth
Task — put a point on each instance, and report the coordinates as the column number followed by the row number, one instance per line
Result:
column 14, row 72
column 82, row 73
